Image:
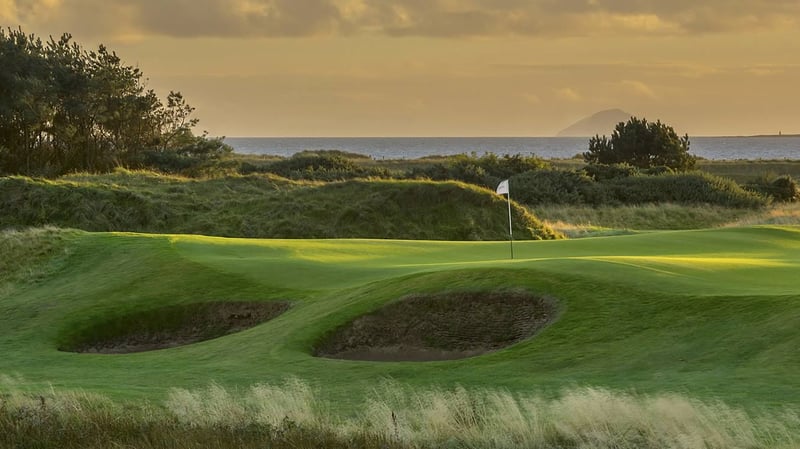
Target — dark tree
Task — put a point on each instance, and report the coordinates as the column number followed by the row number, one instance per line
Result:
column 65, row 109
column 642, row 144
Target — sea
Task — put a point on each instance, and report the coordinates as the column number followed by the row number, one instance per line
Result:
column 716, row 148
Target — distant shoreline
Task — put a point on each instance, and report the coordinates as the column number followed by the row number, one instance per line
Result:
column 723, row 148
column 773, row 135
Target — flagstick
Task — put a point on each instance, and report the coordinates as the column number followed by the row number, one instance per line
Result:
column 510, row 232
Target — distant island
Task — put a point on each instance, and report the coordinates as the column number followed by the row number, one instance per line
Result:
column 601, row 123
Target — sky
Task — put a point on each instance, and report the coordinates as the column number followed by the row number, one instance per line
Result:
column 339, row 68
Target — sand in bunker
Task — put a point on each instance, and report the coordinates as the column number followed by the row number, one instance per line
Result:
column 173, row 326
column 441, row 326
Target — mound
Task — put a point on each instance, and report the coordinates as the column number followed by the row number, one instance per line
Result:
column 417, row 210
column 442, row 326
column 172, row 326
column 265, row 207
column 601, row 123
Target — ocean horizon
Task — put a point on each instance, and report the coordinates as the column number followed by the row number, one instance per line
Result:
column 785, row 147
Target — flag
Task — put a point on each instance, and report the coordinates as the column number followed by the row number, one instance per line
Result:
column 502, row 189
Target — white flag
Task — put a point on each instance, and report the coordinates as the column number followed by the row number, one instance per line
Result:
column 502, row 189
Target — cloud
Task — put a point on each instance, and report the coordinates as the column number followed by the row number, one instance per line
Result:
column 432, row 18
column 185, row 18
column 14, row 11
column 639, row 88
column 765, row 71
column 568, row 94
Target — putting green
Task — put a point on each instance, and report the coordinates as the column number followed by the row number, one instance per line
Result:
column 711, row 313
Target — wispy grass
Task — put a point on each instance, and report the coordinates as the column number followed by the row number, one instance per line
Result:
column 781, row 214
column 582, row 418
column 392, row 416
column 589, row 221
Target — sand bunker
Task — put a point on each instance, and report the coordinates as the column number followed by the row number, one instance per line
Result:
column 172, row 326
column 441, row 327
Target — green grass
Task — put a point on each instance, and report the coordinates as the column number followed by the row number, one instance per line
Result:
column 711, row 313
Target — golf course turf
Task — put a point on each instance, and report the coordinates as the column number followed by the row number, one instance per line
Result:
column 713, row 314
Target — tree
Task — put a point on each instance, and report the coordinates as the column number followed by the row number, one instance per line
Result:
column 65, row 109
column 642, row 144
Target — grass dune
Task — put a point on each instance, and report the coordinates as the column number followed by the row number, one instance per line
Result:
column 264, row 206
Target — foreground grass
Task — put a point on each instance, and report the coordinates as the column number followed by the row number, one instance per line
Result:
column 291, row 415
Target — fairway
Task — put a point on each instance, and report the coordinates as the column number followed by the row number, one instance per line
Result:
column 712, row 313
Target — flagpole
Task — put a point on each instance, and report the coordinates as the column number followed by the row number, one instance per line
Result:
column 510, row 232
column 504, row 189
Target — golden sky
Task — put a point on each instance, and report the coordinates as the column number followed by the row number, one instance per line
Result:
column 450, row 67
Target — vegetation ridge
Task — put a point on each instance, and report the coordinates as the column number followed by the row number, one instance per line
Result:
column 264, row 206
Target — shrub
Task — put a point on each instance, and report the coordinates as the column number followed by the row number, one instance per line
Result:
column 685, row 188
column 781, row 188
column 319, row 166
column 616, row 186
column 642, row 144
column 191, row 155
column 556, row 187
column 487, row 170
column 301, row 163
column 604, row 172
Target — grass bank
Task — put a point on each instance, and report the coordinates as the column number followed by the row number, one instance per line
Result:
column 264, row 206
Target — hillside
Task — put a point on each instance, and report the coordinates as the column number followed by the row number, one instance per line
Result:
column 601, row 123
column 264, row 206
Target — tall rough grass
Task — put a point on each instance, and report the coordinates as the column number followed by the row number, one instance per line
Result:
column 29, row 255
column 392, row 416
column 581, row 220
column 781, row 214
